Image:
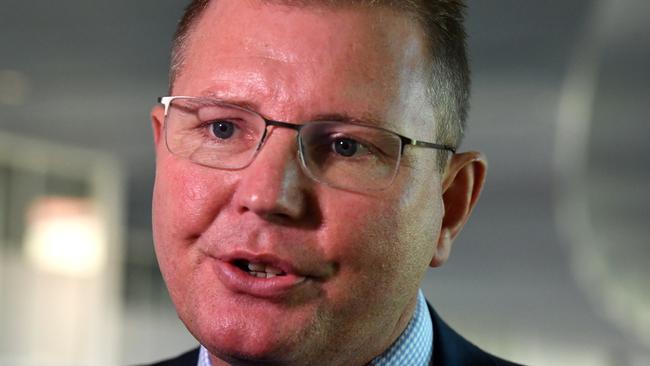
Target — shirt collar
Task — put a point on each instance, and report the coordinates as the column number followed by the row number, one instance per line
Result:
column 413, row 347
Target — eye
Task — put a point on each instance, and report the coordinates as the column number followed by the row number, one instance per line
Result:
column 223, row 129
column 345, row 147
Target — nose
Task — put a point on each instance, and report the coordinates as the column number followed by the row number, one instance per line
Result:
column 273, row 186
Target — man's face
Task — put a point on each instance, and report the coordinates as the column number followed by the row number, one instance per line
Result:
column 352, row 262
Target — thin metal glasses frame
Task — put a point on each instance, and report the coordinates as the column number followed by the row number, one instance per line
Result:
column 406, row 141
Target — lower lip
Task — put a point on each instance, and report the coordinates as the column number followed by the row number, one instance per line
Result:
column 239, row 281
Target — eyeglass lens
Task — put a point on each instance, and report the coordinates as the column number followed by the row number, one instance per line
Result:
column 225, row 136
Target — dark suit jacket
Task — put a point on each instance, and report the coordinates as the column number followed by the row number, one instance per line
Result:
column 449, row 349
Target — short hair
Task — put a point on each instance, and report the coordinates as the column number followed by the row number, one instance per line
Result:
column 442, row 22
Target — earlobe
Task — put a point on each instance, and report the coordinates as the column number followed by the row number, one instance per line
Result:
column 461, row 187
column 443, row 248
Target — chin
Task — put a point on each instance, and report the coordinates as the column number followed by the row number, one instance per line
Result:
column 253, row 336
column 252, row 349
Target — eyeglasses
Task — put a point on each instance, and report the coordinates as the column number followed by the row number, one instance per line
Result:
column 343, row 155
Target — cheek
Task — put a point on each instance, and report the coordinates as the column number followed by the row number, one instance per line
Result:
column 186, row 200
column 384, row 244
column 359, row 233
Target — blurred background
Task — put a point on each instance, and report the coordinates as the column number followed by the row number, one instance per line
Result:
column 553, row 268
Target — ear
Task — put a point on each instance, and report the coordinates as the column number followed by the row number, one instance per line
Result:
column 157, row 118
column 461, row 187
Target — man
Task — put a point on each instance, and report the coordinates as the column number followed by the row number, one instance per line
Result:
column 306, row 178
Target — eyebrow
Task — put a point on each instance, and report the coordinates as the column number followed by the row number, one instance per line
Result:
column 365, row 119
column 216, row 94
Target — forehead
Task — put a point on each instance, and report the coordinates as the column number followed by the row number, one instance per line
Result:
column 312, row 56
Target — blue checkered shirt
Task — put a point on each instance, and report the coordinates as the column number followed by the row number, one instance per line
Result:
column 413, row 348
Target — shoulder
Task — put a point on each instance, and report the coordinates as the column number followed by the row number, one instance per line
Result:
column 190, row 358
column 451, row 349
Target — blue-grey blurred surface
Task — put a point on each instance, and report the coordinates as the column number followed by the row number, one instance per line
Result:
column 552, row 268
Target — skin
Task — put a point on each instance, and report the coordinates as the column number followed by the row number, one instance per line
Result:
column 364, row 254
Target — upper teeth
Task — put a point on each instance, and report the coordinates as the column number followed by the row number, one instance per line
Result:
column 263, row 270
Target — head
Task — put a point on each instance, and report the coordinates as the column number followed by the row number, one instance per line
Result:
column 349, row 262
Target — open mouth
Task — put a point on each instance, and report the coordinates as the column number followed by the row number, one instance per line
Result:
column 259, row 270
column 262, row 276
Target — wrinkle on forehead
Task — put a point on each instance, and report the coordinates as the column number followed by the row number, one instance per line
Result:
column 252, row 79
